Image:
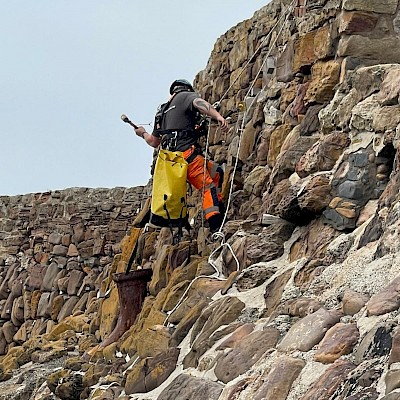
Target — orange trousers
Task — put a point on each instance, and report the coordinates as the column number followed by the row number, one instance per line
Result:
column 211, row 181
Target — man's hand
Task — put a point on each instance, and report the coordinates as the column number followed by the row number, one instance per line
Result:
column 205, row 108
column 148, row 137
column 223, row 124
column 140, row 131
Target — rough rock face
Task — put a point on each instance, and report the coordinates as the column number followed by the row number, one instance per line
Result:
column 301, row 301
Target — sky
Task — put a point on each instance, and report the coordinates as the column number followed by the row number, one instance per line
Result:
column 70, row 68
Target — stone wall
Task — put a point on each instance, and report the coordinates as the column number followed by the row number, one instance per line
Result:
column 303, row 303
column 55, row 250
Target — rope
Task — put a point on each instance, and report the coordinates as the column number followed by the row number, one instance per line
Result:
column 216, row 275
column 187, row 290
column 292, row 5
column 204, row 172
column 219, row 235
column 241, row 130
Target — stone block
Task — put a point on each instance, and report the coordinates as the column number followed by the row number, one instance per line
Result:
column 205, row 331
column 355, row 22
column 304, row 51
column 359, row 160
column 389, row 93
column 150, row 373
column 48, row 283
column 351, row 190
column 17, row 312
column 55, row 238
column 381, row 50
column 376, row 343
column 329, row 381
column 338, row 221
column 60, row 250
column 280, row 378
column 278, row 136
column 67, row 308
column 386, row 300
column 324, row 78
column 338, row 340
column 185, row 386
column 43, row 305
column 313, row 46
column 309, row 331
column 248, row 141
column 246, row 354
column 387, row 119
column 377, row 6
column 74, row 282
column 284, row 65
column 153, row 341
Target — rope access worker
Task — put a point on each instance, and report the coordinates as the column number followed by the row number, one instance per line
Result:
column 174, row 130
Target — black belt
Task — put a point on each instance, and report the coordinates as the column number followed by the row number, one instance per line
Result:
column 170, row 137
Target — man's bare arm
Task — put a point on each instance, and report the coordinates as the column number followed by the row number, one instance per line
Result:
column 203, row 106
column 149, row 138
column 206, row 108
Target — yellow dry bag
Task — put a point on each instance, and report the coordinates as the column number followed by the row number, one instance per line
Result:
column 168, row 202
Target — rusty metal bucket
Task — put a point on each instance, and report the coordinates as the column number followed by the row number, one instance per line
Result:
column 132, row 290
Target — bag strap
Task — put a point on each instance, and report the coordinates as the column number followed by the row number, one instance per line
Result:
column 132, row 258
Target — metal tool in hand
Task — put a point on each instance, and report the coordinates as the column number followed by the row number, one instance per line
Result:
column 128, row 121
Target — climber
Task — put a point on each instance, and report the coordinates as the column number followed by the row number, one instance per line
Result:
column 175, row 130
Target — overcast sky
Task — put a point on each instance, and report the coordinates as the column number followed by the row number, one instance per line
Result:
column 70, row 68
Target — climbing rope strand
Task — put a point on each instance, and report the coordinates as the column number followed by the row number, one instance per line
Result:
column 187, row 290
column 216, row 275
column 204, row 173
column 219, row 233
column 286, row 14
column 223, row 244
column 292, row 5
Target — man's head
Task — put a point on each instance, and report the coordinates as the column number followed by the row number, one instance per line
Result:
column 180, row 85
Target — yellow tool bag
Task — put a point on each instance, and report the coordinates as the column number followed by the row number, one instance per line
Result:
column 168, row 202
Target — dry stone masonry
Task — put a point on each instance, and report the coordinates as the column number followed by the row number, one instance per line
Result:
column 306, row 302
column 55, row 248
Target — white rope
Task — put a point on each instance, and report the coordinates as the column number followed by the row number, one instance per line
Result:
column 219, row 235
column 204, row 173
column 216, row 275
column 241, row 130
column 223, row 244
column 187, row 290
column 260, row 46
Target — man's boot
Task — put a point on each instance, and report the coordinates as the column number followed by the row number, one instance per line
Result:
column 215, row 222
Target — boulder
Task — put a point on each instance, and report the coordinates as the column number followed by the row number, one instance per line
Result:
column 150, row 373
column 338, row 340
column 376, row 6
column 309, row 331
column 247, row 352
column 280, row 378
column 185, row 386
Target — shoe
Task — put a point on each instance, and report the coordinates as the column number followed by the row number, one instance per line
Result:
column 221, row 207
column 215, row 222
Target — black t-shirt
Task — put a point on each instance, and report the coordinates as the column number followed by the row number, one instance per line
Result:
column 180, row 115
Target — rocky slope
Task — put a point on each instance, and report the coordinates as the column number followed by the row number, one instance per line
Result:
column 299, row 300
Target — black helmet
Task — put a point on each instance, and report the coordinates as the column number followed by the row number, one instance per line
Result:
column 182, row 84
